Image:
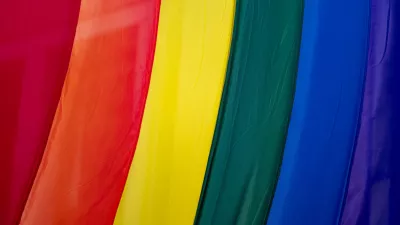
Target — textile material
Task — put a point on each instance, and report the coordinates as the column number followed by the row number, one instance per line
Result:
column 254, row 113
column 325, row 114
column 166, row 176
column 373, row 194
column 35, row 47
column 96, row 127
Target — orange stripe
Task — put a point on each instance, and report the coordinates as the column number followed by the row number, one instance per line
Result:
column 94, row 133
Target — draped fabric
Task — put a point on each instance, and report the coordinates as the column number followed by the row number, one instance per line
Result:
column 166, row 176
column 276, row 112
column 325, row 113
column 254, row 113
column 373, row 196
column 35, row 46
column 95, row 130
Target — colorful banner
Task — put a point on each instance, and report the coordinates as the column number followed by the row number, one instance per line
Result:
column 35, row 46
column 325, row 114
column 251, row 113
column 166, row 176
column 254, row 113
column 373, row 196
column 96, row 127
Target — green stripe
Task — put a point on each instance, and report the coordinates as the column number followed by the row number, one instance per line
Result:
column 254, row 114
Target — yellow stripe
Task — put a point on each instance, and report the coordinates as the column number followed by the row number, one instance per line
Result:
column 166, row 175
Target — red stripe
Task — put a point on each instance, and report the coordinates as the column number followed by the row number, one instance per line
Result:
column 35, row 47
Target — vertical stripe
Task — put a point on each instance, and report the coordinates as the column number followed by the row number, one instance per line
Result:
column 254, row 113
column 96, row 127
column 373, row 194
column 165, row 180
column 325, row 113
column 36, row 40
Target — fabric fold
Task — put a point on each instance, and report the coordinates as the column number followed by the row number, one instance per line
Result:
column 253, row 117
column 96, row 127
column 325, row 114
column 35, row 47
column 165, row 179
column 373, row 193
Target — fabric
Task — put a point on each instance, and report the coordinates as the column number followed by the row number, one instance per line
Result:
column 373, row 197
column 325, row 114
column 35, row 47
column 96, row 127
column 166, row 176
column 254, row 113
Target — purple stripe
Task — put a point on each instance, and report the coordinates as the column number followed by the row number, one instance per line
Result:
column 373, row 196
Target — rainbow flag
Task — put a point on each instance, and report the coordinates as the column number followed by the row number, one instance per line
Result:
column 205, row 112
